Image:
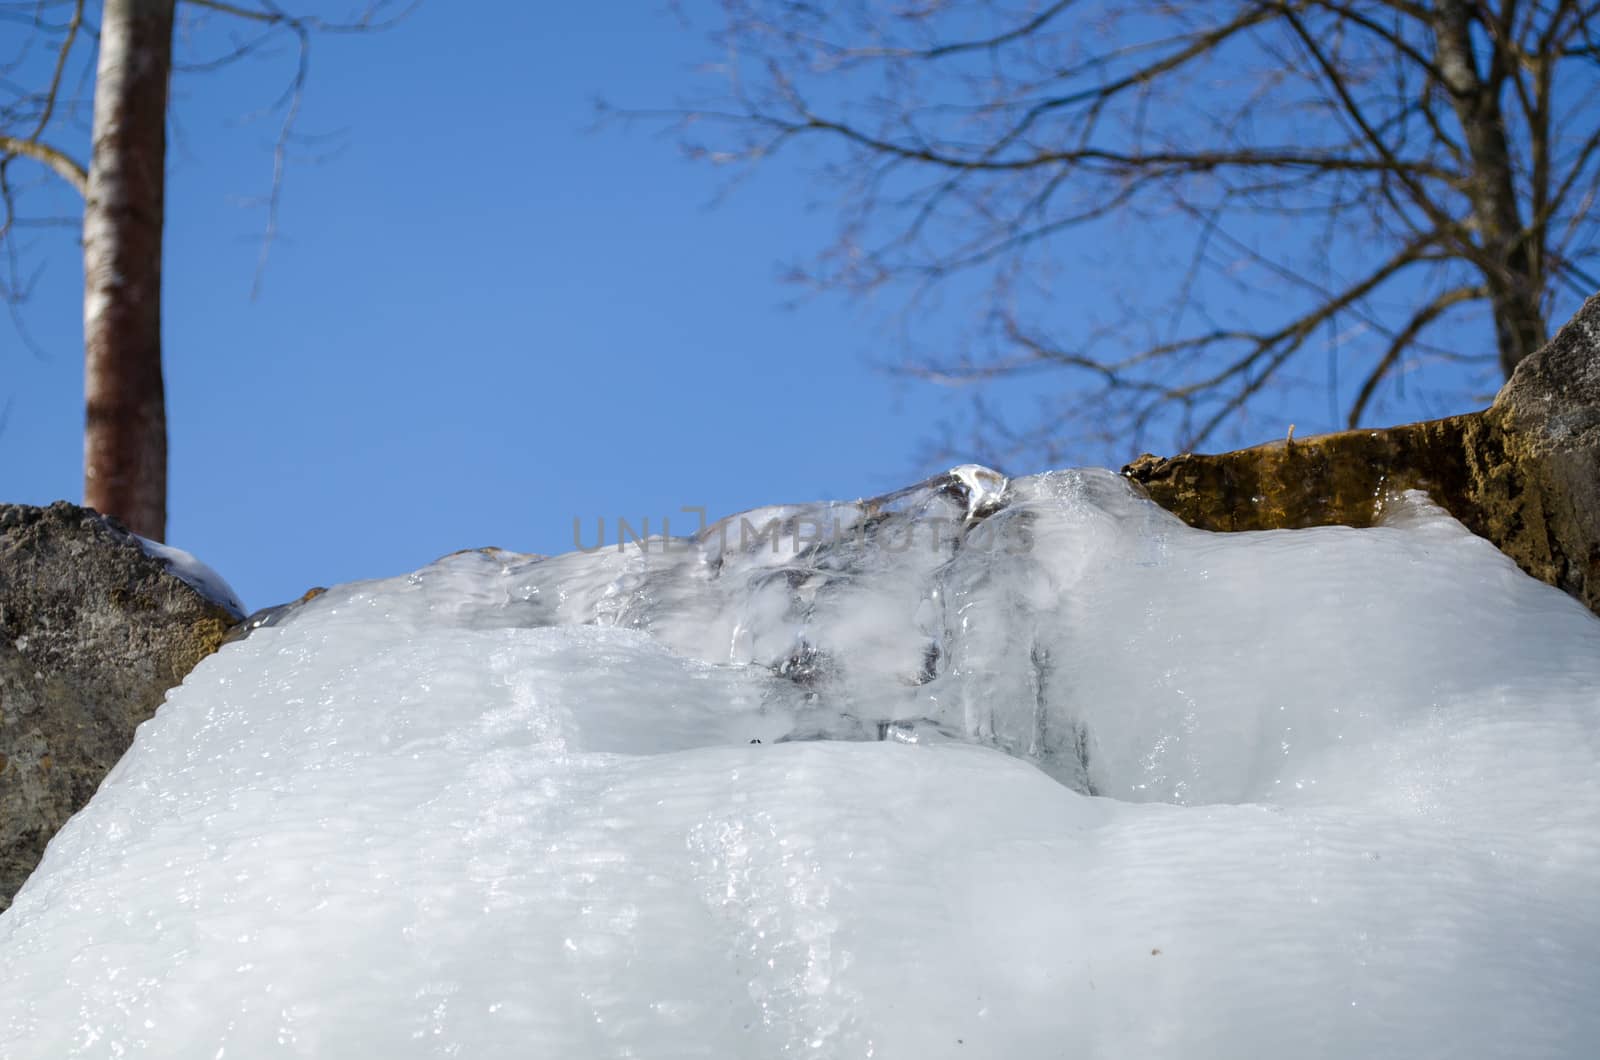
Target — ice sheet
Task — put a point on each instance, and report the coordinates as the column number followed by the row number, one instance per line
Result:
column 1073, row 779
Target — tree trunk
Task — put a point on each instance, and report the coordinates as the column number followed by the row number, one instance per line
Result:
column 125, row 433
column 1514, row 265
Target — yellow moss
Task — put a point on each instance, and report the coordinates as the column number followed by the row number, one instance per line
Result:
column 1478, row 467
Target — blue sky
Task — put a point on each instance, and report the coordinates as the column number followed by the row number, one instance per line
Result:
column 483, row 318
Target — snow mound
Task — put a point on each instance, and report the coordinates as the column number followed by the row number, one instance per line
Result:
column 194, row 573
column 979, row 769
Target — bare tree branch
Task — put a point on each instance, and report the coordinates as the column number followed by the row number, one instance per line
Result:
column 53, row 91
column 1283, row 181
column 1407, row 337
column 66, row 168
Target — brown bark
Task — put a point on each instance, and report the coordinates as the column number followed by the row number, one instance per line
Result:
column 125, row 435
column 1513, row 269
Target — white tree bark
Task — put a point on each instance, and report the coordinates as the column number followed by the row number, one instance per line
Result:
column 125, row 433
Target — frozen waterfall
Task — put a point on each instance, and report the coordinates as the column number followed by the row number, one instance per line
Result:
column 977, row 769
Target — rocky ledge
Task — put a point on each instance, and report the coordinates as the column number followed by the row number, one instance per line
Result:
column 1524, row 473
column 93, row 631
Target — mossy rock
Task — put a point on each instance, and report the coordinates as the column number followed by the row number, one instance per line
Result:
column 93, row 631
column 1523, row 473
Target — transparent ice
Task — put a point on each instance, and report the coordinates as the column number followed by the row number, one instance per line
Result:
column 979, row 769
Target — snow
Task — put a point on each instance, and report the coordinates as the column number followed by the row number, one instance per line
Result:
column 197, row 575
column 1087, row 782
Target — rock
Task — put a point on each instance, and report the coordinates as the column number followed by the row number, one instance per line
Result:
column 1545, row 510
column 1524, row 473
column 93, row 631
column 1317, row 481
column 271, row 616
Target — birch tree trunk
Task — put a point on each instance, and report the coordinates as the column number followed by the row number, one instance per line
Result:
column 125, row 433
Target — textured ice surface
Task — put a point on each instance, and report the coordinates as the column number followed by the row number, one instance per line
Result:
column 1074, row 780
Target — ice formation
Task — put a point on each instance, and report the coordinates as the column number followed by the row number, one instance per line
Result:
column 980, row 769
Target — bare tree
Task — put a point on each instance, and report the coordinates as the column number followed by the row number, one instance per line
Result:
column 1256, row 186
column 128, row 45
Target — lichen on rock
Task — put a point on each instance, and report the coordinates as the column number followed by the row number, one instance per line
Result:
column 1524, row 473
column 1546, row 503
column 93, row 631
